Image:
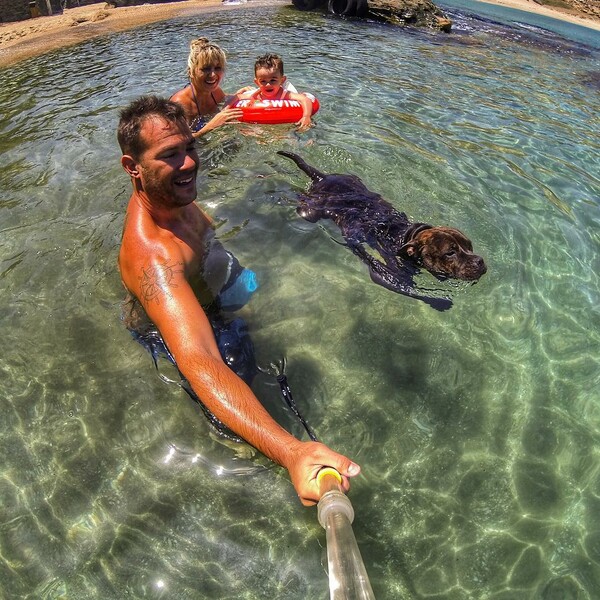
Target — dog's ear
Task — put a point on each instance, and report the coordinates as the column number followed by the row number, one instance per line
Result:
column 410, row 249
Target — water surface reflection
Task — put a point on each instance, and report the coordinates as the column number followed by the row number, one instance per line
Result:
column 476, row 428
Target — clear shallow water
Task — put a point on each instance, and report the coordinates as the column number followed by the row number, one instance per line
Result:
column 477, row 428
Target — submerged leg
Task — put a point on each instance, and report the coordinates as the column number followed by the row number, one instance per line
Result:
column 235, row 347
column 237, row 351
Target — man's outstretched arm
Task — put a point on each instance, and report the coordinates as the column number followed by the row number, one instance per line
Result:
column 170, row 302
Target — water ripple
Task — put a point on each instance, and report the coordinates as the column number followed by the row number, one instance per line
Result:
column 475, row 428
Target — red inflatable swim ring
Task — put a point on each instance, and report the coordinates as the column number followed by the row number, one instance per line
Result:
column 273, row 112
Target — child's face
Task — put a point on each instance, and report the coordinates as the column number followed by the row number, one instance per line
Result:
column 269, row 81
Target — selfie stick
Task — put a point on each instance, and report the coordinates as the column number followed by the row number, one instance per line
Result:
column 348, row 579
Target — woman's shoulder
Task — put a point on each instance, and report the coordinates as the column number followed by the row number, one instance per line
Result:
column 185, row 93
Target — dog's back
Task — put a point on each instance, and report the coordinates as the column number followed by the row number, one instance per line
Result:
column 361, row 215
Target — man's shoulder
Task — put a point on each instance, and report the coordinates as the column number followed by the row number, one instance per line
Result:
column 144, row 243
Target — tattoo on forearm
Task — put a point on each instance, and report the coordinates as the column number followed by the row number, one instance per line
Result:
column 156, row 281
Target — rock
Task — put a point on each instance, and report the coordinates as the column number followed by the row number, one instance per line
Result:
column 420, row 13
column 444, row 24
column 100, row 15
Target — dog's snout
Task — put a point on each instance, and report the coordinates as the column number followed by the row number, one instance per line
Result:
column 481, row 265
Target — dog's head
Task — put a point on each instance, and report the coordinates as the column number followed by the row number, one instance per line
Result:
column 445, row 252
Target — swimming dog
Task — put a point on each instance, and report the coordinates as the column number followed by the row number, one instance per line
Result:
column 366, row 219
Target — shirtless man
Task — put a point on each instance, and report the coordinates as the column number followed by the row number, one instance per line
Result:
column 161, row 260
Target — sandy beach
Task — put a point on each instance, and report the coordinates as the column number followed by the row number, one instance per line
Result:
column 32, row 37
column 587, row 16
column 24, row 39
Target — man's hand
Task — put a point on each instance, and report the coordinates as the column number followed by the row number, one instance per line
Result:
column 308, row 458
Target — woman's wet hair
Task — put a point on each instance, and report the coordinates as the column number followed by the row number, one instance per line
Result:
column 204, row 54
column 269, row 61
column 133, row 116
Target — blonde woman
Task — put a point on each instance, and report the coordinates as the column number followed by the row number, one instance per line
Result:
column 203, row 97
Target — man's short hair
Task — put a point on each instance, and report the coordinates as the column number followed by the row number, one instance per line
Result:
column 133, row 117
column 269, row 61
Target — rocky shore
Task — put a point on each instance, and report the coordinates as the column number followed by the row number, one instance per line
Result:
column 582, row 8
column 24, row 39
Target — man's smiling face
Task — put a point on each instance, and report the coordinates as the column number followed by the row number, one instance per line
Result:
column 169, row 163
